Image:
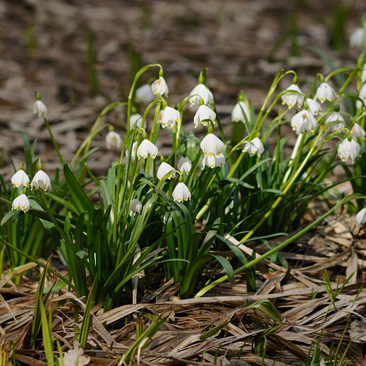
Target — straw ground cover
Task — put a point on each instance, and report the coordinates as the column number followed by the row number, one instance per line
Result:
column 210, row 253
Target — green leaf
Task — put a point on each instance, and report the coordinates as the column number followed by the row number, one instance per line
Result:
column 227, row 267
column 8, row 216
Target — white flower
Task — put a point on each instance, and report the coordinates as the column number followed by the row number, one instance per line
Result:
column 362, row 95
column 212, row 145
column 203, row 115
column 335, row 116
column 357, row 131
column 133, row 153
column 181, row 193
column 303, row 121
column 254, row 147
column 349, row 150
column 240, row 112
column 184, row 165
column 113, row 140
column 357, row 38
column 39, row 108
column 41, row 180
column 165, row 169
column 135, row 120
column 325, row 92
column 74, row 357
column 20, row 178
column 314, row 107
column 159, row 87
column 292, row 98
column 169, row 117
column 202, row 91
column 361, row 217
column 136, row 206
column 213, row 161
column 21, row 203
column 144, row 94
column 147, row 148
column 363, row 75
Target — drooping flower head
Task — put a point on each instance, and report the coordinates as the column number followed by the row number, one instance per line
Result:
column 184, row 165
column 181, row 193
column 147, row 148
column 21, row 203
column 254, row 147
column 113, row 140
column 135, row 120
column 325, row 92
column 74, row 357
column 144, row 94
column 39, row 108
column 357, row 131
column 20, row 178
column 165, row 170
column 136, row 206
column 169, row 117
column 361, row 217
column 349, row 150
column 41, row 180
column 240, row 112
column 314, row 107
column 292, row 96
column 335, row 116
column 212, row 145
column 362, row 96
column 213, row 161
column 202, row 91
column 357, row 38
column 159, row 87
column 133, row 152
column 203, row 115
column 303, row 121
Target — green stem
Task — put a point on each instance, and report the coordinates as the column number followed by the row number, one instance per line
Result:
column 55, row 145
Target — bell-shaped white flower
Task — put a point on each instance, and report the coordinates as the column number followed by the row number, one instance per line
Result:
column 39, row 108
column 41, row 180
column 147, row 148
column 254, row 147
column 159, row 87
column 202, row 91
column 144, row 94
column 303, row 121
column 20, row 178
column 135, row 206
column 74, row 357
column 184, row 165
column 357, row 131
column 135, row 120
column 113, row 140
column 240, row 112
column 203, row 115
column 212, row 145
column 349, row 150
column 314, row 107
column 291, row 96
column 181, row 193
column 133, row 152
column 169, row 117
column 333, row 117
column 361, row 95
column 213, row 161
column 363, row 75
column 361, row 217
column 357, row 38
column 325, row 92
column 165, row 170
column 21, row 203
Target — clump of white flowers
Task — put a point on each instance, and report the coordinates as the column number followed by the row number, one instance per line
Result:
column 159, row 87
column 254, row 147
column 147, row 148
column 165, row 170
column 20, row 179
column 203, row 115
column 135, row 206
column 41, row 180
column 303, row 121
column 113, row 140
column 144, row 94
column 21, row 203
column 349, row 150
column 293, row 96
column 184, row 165
column 325, row 92
column 181, row 193
column 200, row 92
column 169, row 117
